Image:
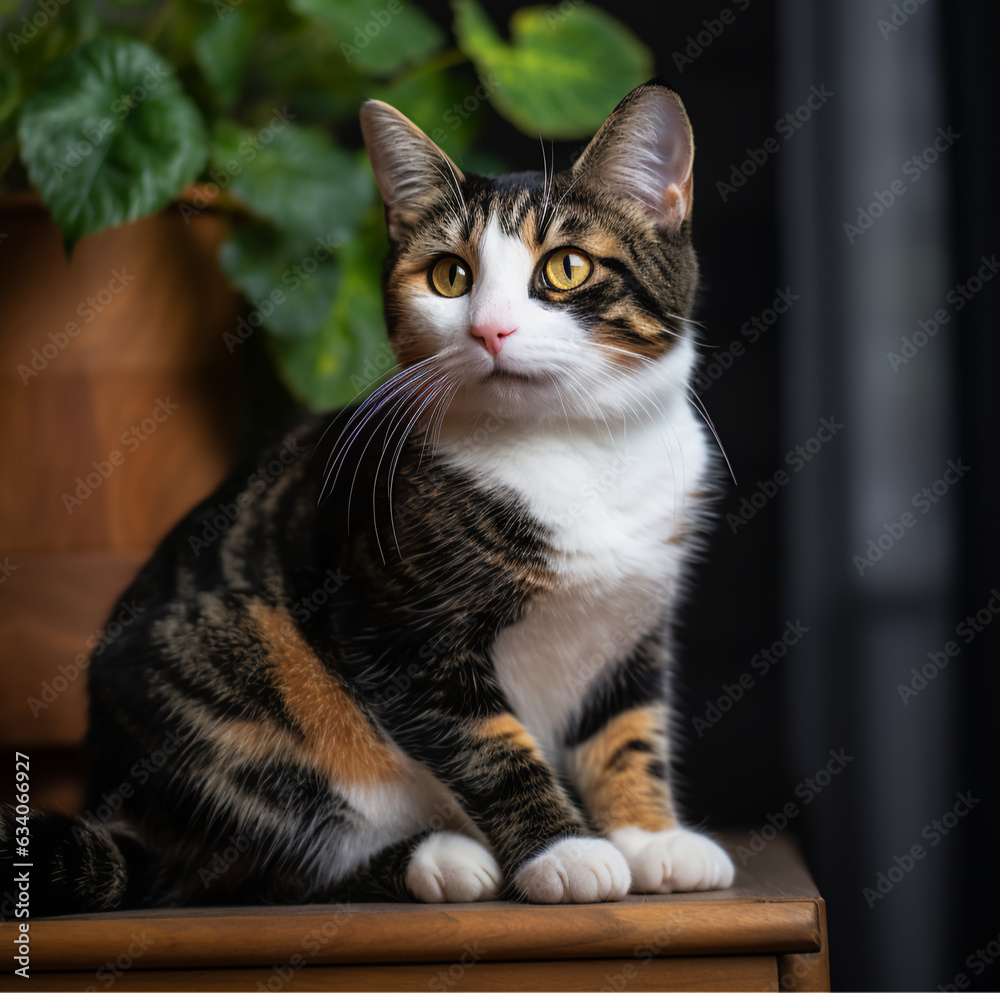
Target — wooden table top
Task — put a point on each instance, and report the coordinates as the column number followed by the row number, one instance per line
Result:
column 773, row 907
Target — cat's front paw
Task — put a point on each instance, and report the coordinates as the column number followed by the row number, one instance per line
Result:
column 447, row 867
column 673, row 861
column 575, row 870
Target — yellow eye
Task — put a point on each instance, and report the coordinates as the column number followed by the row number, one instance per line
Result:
column 451, row 277
column 567, row 268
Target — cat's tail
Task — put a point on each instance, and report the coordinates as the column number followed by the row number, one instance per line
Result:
column 69, row 866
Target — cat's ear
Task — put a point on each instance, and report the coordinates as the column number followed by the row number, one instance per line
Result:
column 645, row 149
column 409, row 168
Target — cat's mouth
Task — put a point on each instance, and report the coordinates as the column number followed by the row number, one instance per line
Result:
column 501, row 375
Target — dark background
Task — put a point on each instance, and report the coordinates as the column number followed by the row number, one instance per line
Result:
column 837, row 689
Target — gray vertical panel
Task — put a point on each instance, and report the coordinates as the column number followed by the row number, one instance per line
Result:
column 859, row 300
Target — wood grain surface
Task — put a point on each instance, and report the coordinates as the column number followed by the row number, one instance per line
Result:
column 771, row 923
column 732, row 972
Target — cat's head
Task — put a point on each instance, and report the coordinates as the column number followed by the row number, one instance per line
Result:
column 543, row 295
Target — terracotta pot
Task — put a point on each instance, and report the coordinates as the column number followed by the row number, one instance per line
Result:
column 117, row 412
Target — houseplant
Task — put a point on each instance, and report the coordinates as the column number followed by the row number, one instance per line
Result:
column 110, row 110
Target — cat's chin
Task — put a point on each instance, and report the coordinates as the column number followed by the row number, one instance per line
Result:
column 509, row 400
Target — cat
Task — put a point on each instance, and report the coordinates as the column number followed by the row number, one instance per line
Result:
column 423, row 655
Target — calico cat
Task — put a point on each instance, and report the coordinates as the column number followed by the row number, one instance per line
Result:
column 421, row 653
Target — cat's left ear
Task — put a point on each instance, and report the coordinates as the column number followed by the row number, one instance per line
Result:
column 645, row 149
column 409, row 168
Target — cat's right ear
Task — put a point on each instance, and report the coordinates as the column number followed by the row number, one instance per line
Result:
column 409, row 168
column 645, row 149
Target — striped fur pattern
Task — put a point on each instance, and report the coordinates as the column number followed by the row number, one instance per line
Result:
column 422, row 651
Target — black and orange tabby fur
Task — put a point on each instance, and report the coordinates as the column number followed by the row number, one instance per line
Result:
column 428, row 658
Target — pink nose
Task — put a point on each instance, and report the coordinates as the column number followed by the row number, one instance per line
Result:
column 491, row 336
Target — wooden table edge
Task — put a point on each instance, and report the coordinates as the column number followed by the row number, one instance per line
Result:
column 501, row 932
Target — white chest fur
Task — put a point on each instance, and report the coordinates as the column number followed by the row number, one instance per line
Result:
column 613, row 507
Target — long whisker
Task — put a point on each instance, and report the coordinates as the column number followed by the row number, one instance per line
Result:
column 699, row 406
column 432, row 434
column 371, row 401
column 441, row 391
column 572, row 383
column 371, row 408
column 688, row 320
column 689, row 394
column 395, row 406
column 449, row 174
column 555, row 385
column 548, row 175
column 411, row 417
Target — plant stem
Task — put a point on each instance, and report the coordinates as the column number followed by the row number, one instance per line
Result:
column 159, row 22
column 441, row 61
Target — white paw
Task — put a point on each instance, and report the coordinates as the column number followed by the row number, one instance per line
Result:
column 447, row 867
column 673, row 861
column 575, row 870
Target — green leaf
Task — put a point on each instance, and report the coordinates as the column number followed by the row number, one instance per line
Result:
column 110, row 136
column 292, row 284
column 220, row 51
column 562, row 73
column 295, row 178
column 349, row 352
column 375, row 38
